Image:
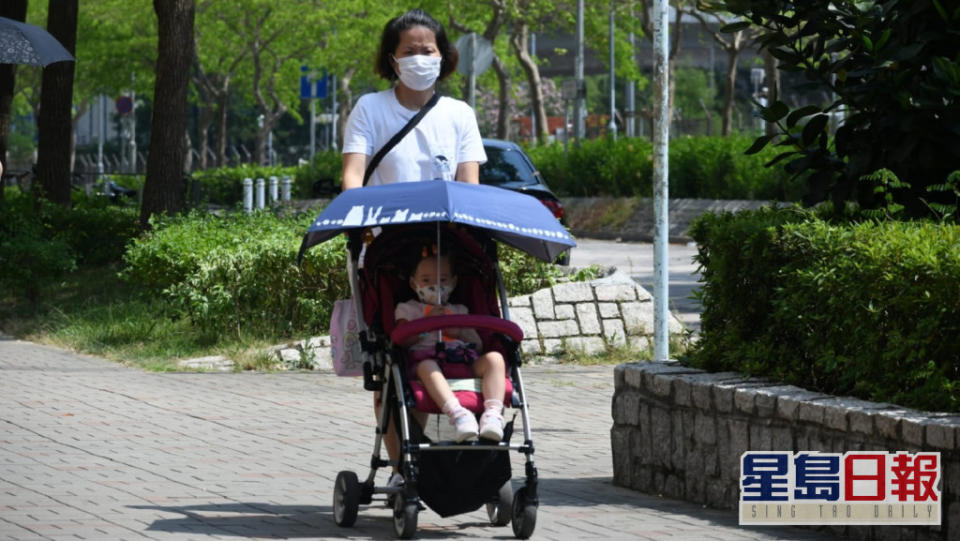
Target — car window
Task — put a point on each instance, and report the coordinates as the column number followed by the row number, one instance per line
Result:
column 506, row 167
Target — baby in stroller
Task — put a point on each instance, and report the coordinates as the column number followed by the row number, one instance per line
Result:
column 433, row 279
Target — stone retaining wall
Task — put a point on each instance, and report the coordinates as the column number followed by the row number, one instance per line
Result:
column 680, row 432
column 574, row 316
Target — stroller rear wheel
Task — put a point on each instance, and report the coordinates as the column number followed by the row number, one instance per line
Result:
column 524, row 515
column 346, row 499
column 499, row 510
column 404, row 517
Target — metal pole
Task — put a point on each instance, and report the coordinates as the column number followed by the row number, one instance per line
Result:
column 613, row 87
column 247, row 195
column 260, row 193
column 631, row 86
column 133, row 128
column 472, row 92
column 313, row 125
column 101, row 135
column 579, row 104
column 274, row 187
column 333, row 125
column 661, row 144
column 533, row 111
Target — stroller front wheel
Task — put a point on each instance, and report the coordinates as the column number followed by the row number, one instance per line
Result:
column 404, row 517
column 499, row 510
column 346, row 499
column 524, row 515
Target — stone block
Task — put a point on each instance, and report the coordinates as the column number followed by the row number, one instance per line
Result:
column 861, row 421
column 618, row 379
column 519, row 300
column 523, row 317
column 573, row 292
column 558, row 329
column 316, row 342
column 788, row 404
column 940, row 432
column 633, row 375
column 673, row 487
column 661, row 430
column 589, row 345
column 587, row 315
column 704, row 429
column 766, row 400
column 320, row 358
column 744, row 400
column 617, row 292
column 531, row 346
column 622, row 455
column 700, row 394
column 679, row 436
column 716, row 496
column 738, row 443
column 564, row 311
column 543, row 304
column 811, row 411
column 637, row 317
column 660, row 385
column 913, row 428
column 643, row 435
column 608, row 309
column 626, row 409
column 681, row 392
column 552, row 346
column 694, row 479
column 888, row 422
column 614, row 332
column 723, row 397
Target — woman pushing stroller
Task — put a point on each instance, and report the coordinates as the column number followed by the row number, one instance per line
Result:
column 433, row 279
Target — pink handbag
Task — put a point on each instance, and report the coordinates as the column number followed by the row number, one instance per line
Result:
column 345, row 339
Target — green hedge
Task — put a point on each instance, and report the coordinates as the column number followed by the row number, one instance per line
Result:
column 41, row 242
column 224, row 185
column 867, row 309
column 238, row 274
column 700, row 167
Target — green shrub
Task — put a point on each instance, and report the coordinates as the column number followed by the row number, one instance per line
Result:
column 238, row 273
column 700, row 167
column 224, row 185
column 326, row 169
column 97, row 231
column 868, row 309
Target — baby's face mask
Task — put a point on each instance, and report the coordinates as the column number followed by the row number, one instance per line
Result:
column 433, row 285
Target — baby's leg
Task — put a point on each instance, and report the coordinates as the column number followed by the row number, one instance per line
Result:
column 492, row 369
column 429, row 373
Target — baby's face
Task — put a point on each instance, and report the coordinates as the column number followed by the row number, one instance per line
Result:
column 426, row 273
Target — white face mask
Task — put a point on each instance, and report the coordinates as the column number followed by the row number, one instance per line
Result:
column 419, row 72
column 429, row 294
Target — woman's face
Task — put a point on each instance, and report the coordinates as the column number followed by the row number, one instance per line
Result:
column 416, row 40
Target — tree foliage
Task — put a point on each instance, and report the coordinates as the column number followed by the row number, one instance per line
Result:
column 894, row 68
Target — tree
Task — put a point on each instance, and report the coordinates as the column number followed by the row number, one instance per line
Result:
column 16, row 10
column 163, row 190
column 733, row 44
column 894, row 69
column 55, row 124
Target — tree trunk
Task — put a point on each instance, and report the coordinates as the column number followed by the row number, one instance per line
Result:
column 163, row 189
column 222, row 129
column 519, row 42
column 772, row 77
column 344, row 103
column 16, row 10
column 56, row 115
column 503, row 97
column 733, row 58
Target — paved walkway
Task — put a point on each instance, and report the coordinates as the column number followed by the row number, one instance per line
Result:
column 90, row 449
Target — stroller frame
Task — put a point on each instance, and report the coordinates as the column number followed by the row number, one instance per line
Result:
column 383, row 370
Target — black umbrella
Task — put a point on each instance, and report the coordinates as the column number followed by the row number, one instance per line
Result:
column 22, row 43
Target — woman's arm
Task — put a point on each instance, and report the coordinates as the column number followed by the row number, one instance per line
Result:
column 468, row 172
column 354, row 166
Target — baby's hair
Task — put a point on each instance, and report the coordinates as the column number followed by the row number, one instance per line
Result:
column 428, row 251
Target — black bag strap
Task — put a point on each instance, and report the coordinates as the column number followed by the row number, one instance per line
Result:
column 398, row 136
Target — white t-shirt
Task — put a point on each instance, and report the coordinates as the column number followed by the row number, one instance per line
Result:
column 445, row 137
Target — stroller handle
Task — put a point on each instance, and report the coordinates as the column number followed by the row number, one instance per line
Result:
column 417, row 326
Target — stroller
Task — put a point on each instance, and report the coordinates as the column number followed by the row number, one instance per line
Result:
column 451, row 478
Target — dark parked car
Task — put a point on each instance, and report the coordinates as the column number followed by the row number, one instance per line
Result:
column 508, row 166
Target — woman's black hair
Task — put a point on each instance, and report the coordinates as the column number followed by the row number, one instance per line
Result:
column 391, row 39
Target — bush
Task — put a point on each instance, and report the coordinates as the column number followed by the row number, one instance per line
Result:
column 700, row 167
column 867, row 309
column 325, row 171
column 238, row 273
column 41, row 242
